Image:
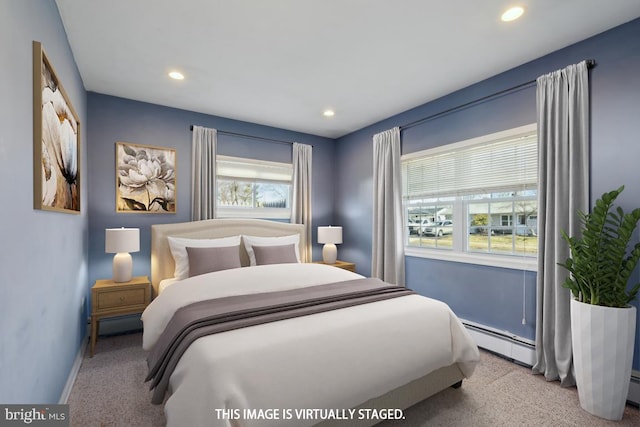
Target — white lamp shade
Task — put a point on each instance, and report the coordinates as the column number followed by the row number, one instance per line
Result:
column 330, row 235
column 120, row 240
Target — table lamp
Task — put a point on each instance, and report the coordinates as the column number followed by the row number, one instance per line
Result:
column 121, row 241
column 330, row 236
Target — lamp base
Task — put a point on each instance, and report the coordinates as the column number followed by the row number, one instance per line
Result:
column 122, row 267
column 329, row 253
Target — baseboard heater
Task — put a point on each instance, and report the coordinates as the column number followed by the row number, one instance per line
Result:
column 523, row 351
column 518, row 349
column 634, row 388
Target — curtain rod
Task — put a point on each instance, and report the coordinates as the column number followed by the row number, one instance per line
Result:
column 590, row 64
column 242, row 135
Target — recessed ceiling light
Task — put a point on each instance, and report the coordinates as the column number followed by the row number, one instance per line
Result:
column 328, row 113
column 176, row 75
column 512, row 14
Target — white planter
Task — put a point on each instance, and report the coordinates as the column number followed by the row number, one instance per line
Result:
column 603, row 340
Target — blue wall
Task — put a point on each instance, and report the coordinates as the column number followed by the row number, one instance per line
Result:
column 114, row 119
column 494, row 296
column 43, row 266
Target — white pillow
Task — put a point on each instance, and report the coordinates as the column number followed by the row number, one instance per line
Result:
column 178, row 246
column 249, row 241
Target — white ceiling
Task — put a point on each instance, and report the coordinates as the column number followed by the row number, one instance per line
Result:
column 282, row 62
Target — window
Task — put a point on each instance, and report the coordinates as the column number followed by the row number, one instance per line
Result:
column 253, row 188
column 474, row 199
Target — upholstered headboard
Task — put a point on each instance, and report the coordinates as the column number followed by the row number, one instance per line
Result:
column 162, row 266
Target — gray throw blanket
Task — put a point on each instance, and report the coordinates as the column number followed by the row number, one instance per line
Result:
column 224, row 314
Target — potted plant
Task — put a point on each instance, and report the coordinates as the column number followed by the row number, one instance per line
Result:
column 602, row 320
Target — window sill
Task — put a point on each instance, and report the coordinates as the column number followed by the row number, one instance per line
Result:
column 513, row 262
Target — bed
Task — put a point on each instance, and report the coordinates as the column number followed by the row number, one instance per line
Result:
column 351, row 366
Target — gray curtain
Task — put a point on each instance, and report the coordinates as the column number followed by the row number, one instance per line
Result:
column 301, row 209
column 563, row 173
column 203, row 173
column 387, row 261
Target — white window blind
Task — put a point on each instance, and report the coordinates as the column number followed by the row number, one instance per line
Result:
column 253, row 170
column 473, row 168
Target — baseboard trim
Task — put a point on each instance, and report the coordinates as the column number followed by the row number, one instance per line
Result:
column 73, row 374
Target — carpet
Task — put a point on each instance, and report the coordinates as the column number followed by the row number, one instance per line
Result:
column 109, row 391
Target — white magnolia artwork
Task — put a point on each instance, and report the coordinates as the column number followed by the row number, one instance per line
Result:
column 145, row 178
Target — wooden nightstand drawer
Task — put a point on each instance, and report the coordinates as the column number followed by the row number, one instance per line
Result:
column 120, row 298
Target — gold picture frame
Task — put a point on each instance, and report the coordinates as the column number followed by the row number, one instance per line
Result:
column 56, row 141
column 145, row 178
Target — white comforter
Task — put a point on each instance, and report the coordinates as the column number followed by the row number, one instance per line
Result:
column 332, row 360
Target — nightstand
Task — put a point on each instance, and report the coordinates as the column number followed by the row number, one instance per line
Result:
column 341, row 264
column 111, row 299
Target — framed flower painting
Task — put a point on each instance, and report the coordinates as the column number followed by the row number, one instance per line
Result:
column 145, row 178
column 56, row 141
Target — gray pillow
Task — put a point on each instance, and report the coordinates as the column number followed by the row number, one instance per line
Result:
column 275, row 254
column 207, row 260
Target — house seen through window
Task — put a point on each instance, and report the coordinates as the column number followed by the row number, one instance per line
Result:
column 474, row 197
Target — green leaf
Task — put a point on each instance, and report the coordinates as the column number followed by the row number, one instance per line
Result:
column 600, row 266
